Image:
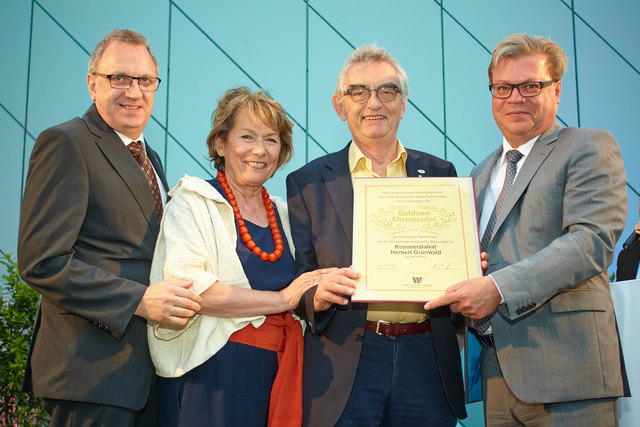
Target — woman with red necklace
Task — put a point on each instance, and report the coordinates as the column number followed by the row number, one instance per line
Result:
column 239, row 361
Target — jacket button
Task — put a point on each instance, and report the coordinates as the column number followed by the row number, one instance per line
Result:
column 359, row 336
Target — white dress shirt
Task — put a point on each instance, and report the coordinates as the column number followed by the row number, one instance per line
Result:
column 496, row 181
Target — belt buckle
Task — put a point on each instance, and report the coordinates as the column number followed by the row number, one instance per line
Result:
column 384, row 322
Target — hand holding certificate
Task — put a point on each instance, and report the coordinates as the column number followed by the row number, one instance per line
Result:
column 413, row 237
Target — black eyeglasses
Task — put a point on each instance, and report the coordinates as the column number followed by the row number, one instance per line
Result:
column 526, row 89
column 118, row 81
column 361, row 94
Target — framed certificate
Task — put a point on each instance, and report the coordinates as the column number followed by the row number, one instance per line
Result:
column 413, row 237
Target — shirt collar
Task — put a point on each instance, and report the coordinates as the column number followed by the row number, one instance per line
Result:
column 359, row 162
column 525, row 148
column 126, row 140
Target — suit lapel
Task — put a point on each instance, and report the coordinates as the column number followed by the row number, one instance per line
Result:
column 482, row 181
column 538, row 154
column 414, row 167
column 123, row 163
column 337, row 180
column 157, row 165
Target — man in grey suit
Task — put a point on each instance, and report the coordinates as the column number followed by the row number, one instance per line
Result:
column 89, row 221
column 551, row 353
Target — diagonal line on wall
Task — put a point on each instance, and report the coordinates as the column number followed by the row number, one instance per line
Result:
column 62, row 27
column 335, row 30
column 185, row 149
column 204, row 168
column 18, row 122
column 346, row 41
column 558, row 117
column 409, row 101
column 439, row 3
column 423, row 114
column 224, row 52
column 234, row 62
column 574, row 15
column 89, row 54
column 626, row 61
column 77, row 42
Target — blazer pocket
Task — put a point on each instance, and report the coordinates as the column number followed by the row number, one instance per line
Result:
column 579, row 300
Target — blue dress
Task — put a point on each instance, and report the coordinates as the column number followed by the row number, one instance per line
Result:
column 232, row 388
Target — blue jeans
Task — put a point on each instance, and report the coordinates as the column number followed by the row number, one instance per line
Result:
column 397, row 384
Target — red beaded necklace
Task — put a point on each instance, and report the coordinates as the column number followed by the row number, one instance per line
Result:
column 244, row 232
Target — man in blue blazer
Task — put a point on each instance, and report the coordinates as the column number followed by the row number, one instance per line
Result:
column 350, row 374
column 88, row 228
column 551, row 353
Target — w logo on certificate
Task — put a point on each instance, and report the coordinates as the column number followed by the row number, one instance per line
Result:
column 413, row 237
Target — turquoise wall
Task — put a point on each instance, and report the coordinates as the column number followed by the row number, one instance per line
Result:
column 294, row 49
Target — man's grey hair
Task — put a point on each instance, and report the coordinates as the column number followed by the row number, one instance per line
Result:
column 367, row 54
column 125, row 36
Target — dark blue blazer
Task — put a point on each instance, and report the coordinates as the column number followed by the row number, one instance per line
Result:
column 628, row 259
column 320, row 196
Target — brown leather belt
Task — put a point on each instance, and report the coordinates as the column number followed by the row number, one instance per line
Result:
column 382, row 327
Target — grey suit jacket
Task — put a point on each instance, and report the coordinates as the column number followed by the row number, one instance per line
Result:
column 88, row 229
column 555, row 334
column 320, row 196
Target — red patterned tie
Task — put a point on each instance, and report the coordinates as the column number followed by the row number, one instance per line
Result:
column 145, row 165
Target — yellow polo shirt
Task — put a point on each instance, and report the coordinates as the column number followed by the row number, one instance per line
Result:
column 361, row 167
